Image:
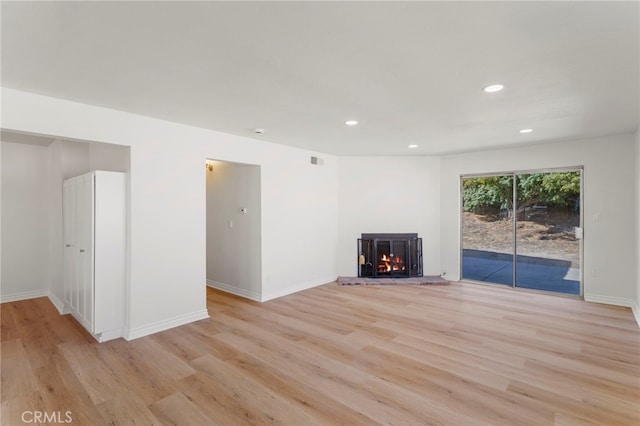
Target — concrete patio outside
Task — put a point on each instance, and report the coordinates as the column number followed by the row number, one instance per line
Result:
column 532, row 272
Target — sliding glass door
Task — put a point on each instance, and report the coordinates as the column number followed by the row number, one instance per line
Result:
column 487, row 229
column 523, row 230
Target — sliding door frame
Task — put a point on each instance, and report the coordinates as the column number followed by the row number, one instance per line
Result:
column 514, row 174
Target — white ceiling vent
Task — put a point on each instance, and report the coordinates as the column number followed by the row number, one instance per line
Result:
column 317, row 161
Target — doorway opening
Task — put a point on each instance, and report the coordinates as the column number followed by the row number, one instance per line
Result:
column 233, row 228
column 523, row 229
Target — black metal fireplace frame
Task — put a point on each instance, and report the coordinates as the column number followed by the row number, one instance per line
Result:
column 368, row 255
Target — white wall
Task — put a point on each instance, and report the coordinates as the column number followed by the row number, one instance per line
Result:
column 55, row 238
column 233, row 238
column 108, row 157
column 1, row 222
column 25, row 222
column 75, row 159
column 379, row 195
column 167, row 210
column 299, row 222
column 609, row 176
column 636, row 307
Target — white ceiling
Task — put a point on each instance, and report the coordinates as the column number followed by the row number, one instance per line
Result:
column 410, row 72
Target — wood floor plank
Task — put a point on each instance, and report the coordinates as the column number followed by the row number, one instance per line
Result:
column 19, row 410
column 177, row 409
column 326, row 409
column 461, row 354
column 570, row 407
column 201, row 337
column 17, row 378
column 476, row 400
column 586, row 381
column 8, row 326
column 98, row 380
column 62, row 391
column 266, row 405
column 176, row 342
column 163, row 362
column 120, row 360
column 25, row 312
column 126, row 408
column 449, row 360
column 217, row 404
column 379, row 400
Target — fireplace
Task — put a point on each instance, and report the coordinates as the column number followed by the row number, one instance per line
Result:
column 389, row 255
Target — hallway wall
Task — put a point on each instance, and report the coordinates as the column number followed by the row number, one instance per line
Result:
column 25, row 269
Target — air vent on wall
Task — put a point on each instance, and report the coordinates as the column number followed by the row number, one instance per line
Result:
column 317, row 161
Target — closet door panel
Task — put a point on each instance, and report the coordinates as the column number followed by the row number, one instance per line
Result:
column 70, row 248
column 85, row 250
column 76, row 281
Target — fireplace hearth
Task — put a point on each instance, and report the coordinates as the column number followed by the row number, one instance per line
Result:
column 389, row 255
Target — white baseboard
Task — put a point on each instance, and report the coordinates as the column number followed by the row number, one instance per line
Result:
column 636, row 312
column 23, row 295
column 616, row 301
column 454, row 277
column 234, row 290
column 156, row 327
column 608, row 300
column 108, row 335
column 59, row 304
column 296, row 288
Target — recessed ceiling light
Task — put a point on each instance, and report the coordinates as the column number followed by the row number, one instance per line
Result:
column 258, row 130
column 526, row 130
column 351, row 122
column 493, row 88
column 412, row 146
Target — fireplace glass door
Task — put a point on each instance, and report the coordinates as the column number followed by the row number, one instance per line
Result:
column 389, row 255
column 391, row 258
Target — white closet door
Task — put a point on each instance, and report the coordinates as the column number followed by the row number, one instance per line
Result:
column 84, row 237
column 70, row 244
column 95, row 251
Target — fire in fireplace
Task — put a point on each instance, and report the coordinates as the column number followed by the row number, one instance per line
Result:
column 389, row 255
column 388, row 264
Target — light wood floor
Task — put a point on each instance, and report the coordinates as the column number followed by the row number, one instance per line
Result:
column 463, row 354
